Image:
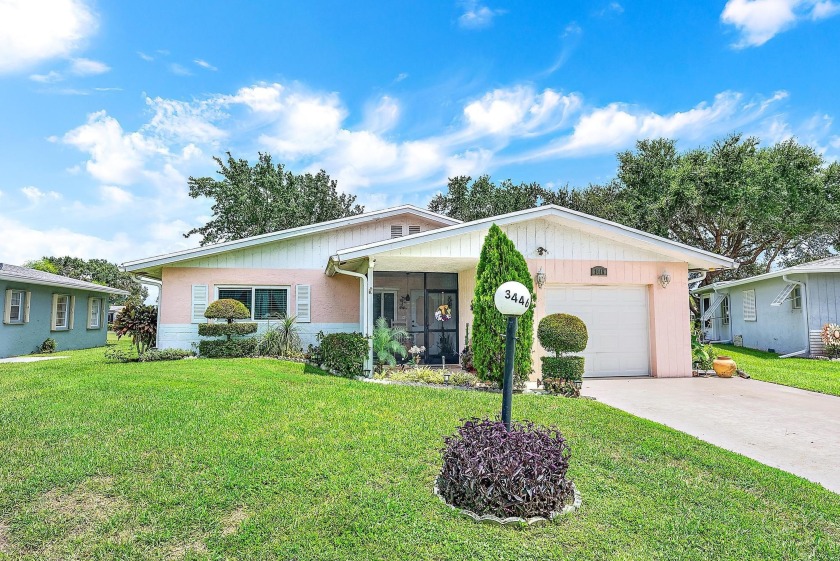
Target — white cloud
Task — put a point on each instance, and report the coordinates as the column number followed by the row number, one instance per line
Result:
column 185, row 121
column 31, row 32
column 115, row 156
column 35, row 195
column 758, row 21
column 382, row 116
column 205, row 64
column 115, row 195
column 520, row 110
column 144, row 56
column 477, row 15
column 49, row 78
column 618, row 125
column 179, row 70
column 88, row 67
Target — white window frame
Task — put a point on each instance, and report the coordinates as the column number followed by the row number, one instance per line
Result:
column 379, row 293
column 724, row 311
column 254, row 288
column 94, row 304
column 20, row 319
column 706, row 302
column 750, row 313
column 796, row 298
column 67, row 312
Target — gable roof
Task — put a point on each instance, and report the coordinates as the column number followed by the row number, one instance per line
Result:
column 33, row 276
column 158, row 260
column 696, row 258
column 827, row 265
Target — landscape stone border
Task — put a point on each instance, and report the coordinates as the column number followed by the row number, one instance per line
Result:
column 514, row 520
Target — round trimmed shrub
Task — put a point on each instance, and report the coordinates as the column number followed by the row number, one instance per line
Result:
column 565, row 367
column 490, row 470
column 227, row 308
column 562, row 333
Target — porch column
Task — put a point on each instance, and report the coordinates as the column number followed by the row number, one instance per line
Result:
column 368, row 329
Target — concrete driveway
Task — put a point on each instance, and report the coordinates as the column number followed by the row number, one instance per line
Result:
column 791, row 429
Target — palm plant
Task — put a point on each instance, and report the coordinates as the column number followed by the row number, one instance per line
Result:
column 387, row 343
column 281, row 339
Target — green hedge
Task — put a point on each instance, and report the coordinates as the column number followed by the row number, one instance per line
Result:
column 222, row 348
column 342, row 353
column 565, row 367
column 155, row 355
column 562, row 333
column 226, row 329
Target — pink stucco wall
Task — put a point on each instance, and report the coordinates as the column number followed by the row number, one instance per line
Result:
column 670, row 352
column 334, row 299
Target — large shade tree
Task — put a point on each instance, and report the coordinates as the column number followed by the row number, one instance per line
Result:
column 762, row 206
column 98, row 271
column 500, row 262
column 256, row 199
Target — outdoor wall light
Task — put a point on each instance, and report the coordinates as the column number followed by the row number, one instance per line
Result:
column 665, row 279
column 540, row 278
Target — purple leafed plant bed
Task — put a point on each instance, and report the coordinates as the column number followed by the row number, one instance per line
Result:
column 494, row 475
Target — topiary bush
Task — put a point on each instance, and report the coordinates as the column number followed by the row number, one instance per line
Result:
column 342, row 353
column 228, row 309
column 226, row 329
column 562, row 333
column 521, row 472
column 222, row 348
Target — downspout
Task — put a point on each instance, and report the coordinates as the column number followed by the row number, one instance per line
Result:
column 802, row 290
column 364, row 305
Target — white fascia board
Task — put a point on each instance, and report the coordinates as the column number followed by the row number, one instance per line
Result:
column 90, row 287
column 158, row 260
column 646, row 240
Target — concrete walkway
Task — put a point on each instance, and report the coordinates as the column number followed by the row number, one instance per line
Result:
column 29, row 358
column 791, row 429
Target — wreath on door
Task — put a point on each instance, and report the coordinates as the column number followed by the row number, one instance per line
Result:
column 443, row 313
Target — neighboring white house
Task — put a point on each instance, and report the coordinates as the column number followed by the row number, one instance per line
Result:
column 782, row 311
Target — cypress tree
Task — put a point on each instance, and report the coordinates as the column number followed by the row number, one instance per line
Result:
column 500, row 262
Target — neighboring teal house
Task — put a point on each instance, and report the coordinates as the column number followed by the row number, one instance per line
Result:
column 37, row 306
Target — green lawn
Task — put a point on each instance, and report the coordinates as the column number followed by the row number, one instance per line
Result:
column 260, row 459
column 816, row 375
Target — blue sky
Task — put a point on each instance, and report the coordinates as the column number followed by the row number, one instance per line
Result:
column 108, row 107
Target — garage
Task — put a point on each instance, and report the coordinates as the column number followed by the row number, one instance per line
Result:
column 617, row 319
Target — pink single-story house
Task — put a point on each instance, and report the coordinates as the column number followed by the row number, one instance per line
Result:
column 402, row 263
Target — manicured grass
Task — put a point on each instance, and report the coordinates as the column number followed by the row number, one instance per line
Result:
column 260, row 459
column 808, row 374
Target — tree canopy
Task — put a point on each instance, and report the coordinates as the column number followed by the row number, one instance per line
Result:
column 98, row 271
column 257, row 199
column 762, row 206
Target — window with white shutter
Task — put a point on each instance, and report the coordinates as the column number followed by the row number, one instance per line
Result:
column 94, row 313
column 303, row 306
column 749, row 305
column 62, row 312
column 199, row 302
column 15, row 307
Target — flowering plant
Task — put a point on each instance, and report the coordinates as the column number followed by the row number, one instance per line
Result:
column 830, row 336
column 443, row 313
column 415, row 352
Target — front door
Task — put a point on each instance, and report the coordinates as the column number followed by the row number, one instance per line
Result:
column 441, row 326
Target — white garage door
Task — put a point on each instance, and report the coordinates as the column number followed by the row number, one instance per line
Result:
column 617, row 320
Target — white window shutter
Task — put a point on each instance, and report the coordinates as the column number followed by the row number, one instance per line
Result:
column 72, row 312
column 199, row 302
column 303, row 303
column 26, row 308
column 749, row 305
column 7, row 307
column 53, row 318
